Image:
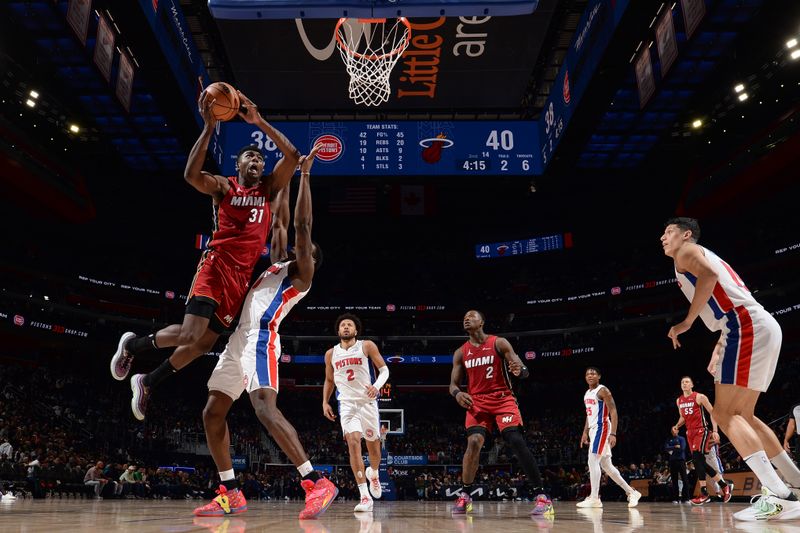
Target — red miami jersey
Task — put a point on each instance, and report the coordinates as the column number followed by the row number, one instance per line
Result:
column 486, row 371
column 241, row 223
column 692, row 412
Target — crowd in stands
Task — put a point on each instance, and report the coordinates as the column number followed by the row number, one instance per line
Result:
column 65, row 432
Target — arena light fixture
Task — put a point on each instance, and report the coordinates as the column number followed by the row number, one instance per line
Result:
column 795, row 54
column 791, row 43
column 738, row 88
column 33, row 94
column 697, row 123
column 743, row 97
column 74, row 128
column 30, row 103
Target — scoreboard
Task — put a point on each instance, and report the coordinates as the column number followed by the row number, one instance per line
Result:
column 395, row 148
column 526, row 246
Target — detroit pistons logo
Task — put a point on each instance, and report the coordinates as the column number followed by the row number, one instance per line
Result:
column 370, row 433
column 565, row 88
column 332, row 147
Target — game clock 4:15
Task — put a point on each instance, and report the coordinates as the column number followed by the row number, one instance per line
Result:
column 473, row 165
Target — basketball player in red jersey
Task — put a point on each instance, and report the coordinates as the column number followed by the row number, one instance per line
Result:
column 486, row 360
column 242, row 217
column 694, row 410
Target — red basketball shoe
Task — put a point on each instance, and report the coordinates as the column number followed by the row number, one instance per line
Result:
column 702, row 499
column 226, row 503
column 319, row 497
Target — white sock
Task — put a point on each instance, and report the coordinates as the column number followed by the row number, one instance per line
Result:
column 305, row 469
column 227, row 475
column 614, row 474
column 594, row 475
column 362, row 488
column 763, row 470
column 787, row 468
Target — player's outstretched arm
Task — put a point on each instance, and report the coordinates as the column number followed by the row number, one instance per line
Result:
column 328, row 386
column 285, row 167
column 280, row 226
column 194, row 174
column 371, row 350
column 606, row 396
column 690, row 258
column 303, row 247
column 515, row 365
column 456, row 377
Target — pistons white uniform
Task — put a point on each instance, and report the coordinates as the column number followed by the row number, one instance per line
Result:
column 751, row 337
column 250, row 359
column 353, row 373
column 599, row 423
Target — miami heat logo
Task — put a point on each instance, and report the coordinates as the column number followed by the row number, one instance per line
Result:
column 433, row 147
column 370, row 434
column 244, row 381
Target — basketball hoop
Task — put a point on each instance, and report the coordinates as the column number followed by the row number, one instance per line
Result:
column 370, row 48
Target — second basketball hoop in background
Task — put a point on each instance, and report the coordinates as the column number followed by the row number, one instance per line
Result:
column 370, row 48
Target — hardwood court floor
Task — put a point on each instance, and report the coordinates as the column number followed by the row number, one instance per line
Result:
column 49, row 516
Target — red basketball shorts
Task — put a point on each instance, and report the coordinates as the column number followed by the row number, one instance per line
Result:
column 220, row 282
column 699, row 439
column 495, row 408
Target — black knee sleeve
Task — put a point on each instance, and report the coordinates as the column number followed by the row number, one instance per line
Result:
column 699, row 465
column 516, row 441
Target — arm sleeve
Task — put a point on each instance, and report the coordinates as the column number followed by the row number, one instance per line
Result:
column 383, row 376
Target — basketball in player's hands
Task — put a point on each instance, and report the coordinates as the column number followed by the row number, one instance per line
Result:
column 225, row 100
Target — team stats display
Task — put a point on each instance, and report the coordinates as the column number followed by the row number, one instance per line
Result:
column 395, row 148
column 526, row 246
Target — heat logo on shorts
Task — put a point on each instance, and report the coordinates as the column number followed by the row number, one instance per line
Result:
column 565, row 89
column 332, row 148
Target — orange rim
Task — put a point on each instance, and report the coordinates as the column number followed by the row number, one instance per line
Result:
column 374, row 57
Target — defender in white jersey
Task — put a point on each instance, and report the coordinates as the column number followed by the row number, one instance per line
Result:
column 743, row 362
column 600, row 435
column 349, row 367
column 250, row 360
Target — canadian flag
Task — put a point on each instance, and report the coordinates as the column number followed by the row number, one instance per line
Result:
column 413, row 200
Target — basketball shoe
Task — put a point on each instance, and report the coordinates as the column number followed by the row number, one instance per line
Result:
column 140, row 394
column 590, row 503
column 319, row 497
column 122, row 358
column 633, row 498
column 374, row 482
column 701, row 500
column 463, row 504
column 767, row 506
column 543, row 507
column 727, row 493
column 365, row 506
column 227, row 502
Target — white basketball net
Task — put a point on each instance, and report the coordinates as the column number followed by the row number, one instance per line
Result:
column 370, row 48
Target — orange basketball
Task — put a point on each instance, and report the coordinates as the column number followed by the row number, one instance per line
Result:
column 226, row 100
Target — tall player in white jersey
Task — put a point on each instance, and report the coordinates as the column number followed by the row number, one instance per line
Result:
column 743, row 362
column 349, row 367
column 600, row 435
column 250, row 360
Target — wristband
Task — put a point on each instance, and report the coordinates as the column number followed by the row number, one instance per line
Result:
column 305, row 173
column 454, row 393
column 612, row 434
